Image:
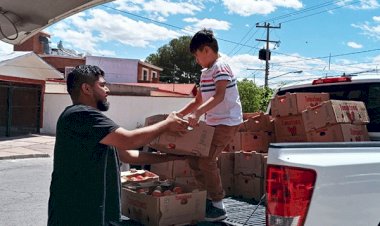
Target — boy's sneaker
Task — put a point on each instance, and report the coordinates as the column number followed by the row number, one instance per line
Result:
column 213, row 213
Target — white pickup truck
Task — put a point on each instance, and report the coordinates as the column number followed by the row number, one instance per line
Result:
column 328, row 184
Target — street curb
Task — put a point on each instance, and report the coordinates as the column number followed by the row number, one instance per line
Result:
column 42, row 155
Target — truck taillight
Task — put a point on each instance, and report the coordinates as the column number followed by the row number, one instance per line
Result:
column 289, row 192
column 331, row 80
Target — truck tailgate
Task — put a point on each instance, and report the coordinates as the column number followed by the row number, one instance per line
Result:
column 347, row 187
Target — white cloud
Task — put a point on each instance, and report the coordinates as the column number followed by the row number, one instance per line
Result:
column 359, row 5
column 206, row 23
column 371, row 29
column 240, row 63
column 88, row 31
column 159, row 7
column 287, row 66
column 263, row 7
column 377, row 59
column 354, row 45
column 130, row 6
column 5, row 48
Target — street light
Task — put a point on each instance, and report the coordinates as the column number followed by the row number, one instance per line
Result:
column 290, row 72
column 254, row 69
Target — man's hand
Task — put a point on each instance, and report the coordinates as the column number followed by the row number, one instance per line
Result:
column 176, row 123
column 193, row 119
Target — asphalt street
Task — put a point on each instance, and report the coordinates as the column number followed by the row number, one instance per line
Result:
column 24, row 191
column 25, row 172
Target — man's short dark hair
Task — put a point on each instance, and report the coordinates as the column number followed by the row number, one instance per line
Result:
column 202, row 38
column 82, row 74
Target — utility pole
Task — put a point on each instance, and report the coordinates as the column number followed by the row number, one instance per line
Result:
column 267, row 26
column 254, row 75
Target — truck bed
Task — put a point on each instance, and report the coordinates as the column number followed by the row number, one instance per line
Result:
column 239, row 211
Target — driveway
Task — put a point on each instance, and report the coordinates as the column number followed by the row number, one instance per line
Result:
column 31, row 146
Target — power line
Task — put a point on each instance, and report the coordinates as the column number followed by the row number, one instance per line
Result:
column 242, row 41
column 324, row 57
column 296, row 13
column 320, row 12
column 169, row 25
column 280, row 17
column 241, row 46
column 255, row 47
column 315, row 7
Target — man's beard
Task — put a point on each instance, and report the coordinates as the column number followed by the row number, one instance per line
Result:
column 103, row 105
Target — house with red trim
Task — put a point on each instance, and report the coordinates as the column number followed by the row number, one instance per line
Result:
column 22, row 88
column 35, row 69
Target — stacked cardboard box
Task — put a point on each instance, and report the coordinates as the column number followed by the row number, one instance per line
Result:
column 313, row 117
column 226, row 164
column 243, row 163
column 297, row 117
column 178, row 171
column 235, row 144
column 336, row 120
column 249, row 174
column 295, row 103
column 256, row 133
column 287, row 110
column 250, row 115
column 247, row 180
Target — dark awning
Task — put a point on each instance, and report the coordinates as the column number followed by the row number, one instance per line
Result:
column 20, row 19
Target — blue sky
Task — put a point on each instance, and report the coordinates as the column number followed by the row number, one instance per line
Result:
column 311, row 31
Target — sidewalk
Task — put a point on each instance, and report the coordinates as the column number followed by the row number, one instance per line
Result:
column 31, row 146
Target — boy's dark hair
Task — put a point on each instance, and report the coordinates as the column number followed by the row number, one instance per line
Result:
column 202, row 38
column 82, row 74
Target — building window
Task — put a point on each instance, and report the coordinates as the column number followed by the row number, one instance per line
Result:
column 144, row 76
column 154, row 74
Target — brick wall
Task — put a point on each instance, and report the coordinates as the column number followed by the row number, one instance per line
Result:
column 60, row 62
column 33, row 44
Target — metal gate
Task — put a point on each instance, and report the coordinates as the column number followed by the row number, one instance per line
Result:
column 20, row 108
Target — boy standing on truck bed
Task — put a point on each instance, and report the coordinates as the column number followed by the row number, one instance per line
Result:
column 219, row 100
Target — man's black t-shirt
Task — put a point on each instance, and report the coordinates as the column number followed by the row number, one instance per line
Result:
column 85, row 183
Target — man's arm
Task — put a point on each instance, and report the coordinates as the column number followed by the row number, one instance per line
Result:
column 220, row 91
column 124, row 139
column 138, row 157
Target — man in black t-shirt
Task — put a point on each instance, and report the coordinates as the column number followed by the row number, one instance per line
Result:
column 85, row 183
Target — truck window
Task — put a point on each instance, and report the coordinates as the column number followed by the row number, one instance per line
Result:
column 373, row 107
column 368, row 93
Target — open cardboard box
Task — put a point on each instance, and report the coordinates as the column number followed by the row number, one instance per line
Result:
column 176, row 209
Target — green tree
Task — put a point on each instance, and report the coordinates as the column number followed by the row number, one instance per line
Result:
column 253, row 98
column 177, row 62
